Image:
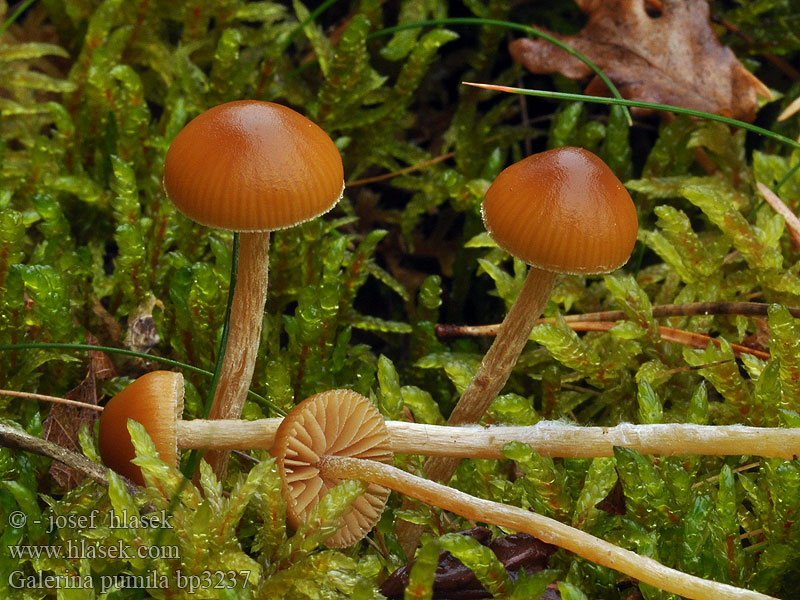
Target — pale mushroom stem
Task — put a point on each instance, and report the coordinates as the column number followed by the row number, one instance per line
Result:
column 548, row 530
column 490, row 378
column 247, row 314
column 548, row 438
column 498, row 361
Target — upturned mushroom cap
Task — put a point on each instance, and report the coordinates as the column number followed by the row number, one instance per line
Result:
column 156, row 401
column 562, row 210
column 253, row 166
column 333, row 423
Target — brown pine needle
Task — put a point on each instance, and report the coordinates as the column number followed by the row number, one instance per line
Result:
column 491, row 86
column 690, row 309
column 780, row 63
column 669, row 334
column 787, row 112
column 665, row 374
column 606, row 320
column 715, row 478
column 53, row 399
column 410, row 169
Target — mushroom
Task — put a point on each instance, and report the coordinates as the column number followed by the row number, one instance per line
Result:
column 340, row 435
column 338, row 423
column 560, row 211
column 250, row 167
column 156, row 401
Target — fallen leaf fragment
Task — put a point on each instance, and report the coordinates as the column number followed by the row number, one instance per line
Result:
column 63, row 422
column 673, row 58
column 614, row 502
column 456, row 582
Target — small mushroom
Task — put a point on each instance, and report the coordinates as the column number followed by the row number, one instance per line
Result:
column 322, row 441
column 156, row 401
column 337, row 423
column 560, row 211
column 250, row 167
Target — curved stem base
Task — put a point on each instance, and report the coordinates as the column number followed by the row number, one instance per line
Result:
column 544, row 528
column 496, row 366
column 492, row 375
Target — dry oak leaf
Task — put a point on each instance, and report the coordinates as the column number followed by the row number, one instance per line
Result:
column 63, row 422
column 672, row 58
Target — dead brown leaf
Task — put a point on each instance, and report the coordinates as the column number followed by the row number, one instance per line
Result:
column 614, row 502
column 63, row 422
column 519, row 552
column 673, row 57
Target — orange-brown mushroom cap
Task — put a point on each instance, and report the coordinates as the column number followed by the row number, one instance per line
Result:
column 156, row 401
column 253, row 166
column 332, row 423
column 562, row 210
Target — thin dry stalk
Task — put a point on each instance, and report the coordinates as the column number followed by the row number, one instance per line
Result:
column 669, row 334
column 53, row 399
column 548, row 530
column 11, row 437
column 411, row 169
column 792, row 222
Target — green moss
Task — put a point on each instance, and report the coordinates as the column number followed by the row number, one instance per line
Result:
column 93, row 92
